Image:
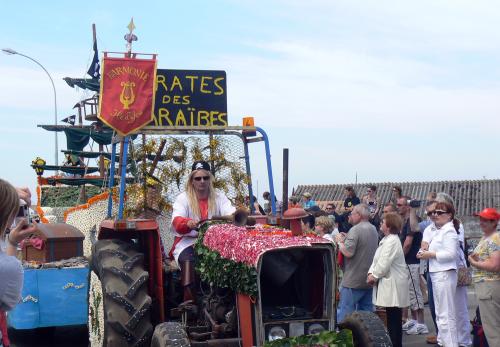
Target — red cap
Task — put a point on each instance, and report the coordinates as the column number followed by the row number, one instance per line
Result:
column 489, row 213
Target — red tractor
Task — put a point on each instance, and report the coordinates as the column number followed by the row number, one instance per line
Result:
column 288, row 292
column 255, row 286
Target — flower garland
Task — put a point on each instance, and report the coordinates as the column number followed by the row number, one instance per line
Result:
column 39, row 209
column 222, row 272
column 242, row 246
column 44, row 181
column 90, row 202
column 260, row 232
column 228, row 255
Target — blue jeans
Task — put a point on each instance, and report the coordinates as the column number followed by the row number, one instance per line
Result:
column 354, row 300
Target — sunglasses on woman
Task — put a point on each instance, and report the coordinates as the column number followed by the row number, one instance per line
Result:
column 199, row 178
column 436, row 212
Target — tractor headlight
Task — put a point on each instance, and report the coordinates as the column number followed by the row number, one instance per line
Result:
column 315, row 328
column 276, row 333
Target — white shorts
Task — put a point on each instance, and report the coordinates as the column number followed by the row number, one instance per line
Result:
column 416, row 298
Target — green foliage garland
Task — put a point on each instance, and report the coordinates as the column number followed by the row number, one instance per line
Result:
column 65, row 196
column 223, row 272
column 342, row 338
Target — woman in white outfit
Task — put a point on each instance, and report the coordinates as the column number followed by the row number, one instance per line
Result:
column 442, row 255
column 462, row 311
column 390, row 274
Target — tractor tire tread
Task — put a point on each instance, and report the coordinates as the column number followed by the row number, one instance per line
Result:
column 126, row 302
column 367, row 329
column 170, row 334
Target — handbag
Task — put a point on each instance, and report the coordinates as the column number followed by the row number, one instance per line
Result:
column 464, row 276
column 478, row 337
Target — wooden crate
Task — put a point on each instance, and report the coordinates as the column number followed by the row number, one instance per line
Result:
column 60, row 241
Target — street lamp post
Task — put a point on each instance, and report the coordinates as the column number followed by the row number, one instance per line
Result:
column 12, row 52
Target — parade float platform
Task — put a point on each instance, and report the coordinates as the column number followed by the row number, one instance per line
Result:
column 54, row 294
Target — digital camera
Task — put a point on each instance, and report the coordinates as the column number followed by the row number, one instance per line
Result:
column 414, row 203
column 23, row 213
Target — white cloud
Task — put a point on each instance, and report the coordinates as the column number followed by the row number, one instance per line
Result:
column 408, row 25
column 30, row 89
column 316, row 87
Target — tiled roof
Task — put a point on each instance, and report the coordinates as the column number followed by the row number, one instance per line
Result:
column 470, row 196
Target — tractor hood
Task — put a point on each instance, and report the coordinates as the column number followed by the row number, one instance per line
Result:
column 229, row 256
column 245, row 245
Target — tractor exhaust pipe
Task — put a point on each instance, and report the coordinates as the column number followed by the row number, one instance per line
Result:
column 239, row 218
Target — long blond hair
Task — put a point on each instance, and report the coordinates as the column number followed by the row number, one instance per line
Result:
column 193, row 199
column 9, row 205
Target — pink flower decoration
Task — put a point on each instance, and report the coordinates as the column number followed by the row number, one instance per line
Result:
column 247, row 246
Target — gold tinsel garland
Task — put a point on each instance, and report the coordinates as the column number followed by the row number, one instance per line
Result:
column 153, row 192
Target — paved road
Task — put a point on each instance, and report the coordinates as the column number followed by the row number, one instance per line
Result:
column 78, row 336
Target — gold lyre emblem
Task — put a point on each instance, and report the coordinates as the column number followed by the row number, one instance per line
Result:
column 127, row 96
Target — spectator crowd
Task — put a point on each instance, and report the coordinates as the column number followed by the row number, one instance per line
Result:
column 394, row 261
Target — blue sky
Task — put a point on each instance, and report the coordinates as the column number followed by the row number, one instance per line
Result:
column 390, row 90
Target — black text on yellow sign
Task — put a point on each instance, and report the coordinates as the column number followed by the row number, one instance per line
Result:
column 190, row 98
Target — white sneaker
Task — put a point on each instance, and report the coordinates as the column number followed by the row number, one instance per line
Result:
column 424, row 328
column 409, row 324
column 418, row 329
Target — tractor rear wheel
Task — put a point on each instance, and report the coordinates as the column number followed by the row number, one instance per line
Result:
column 170, row 334
column 367, row 329
column 126, row 302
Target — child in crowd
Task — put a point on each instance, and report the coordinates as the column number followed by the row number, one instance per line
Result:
column 324, row 227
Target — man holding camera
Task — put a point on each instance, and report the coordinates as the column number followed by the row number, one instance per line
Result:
column 411, row 237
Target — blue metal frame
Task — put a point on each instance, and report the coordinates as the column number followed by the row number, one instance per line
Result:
column 123, row 176
column 269, row 169
column 249, row 174
column 111, row 179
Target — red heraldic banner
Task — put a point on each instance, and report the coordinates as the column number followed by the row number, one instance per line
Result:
column 126, row 101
